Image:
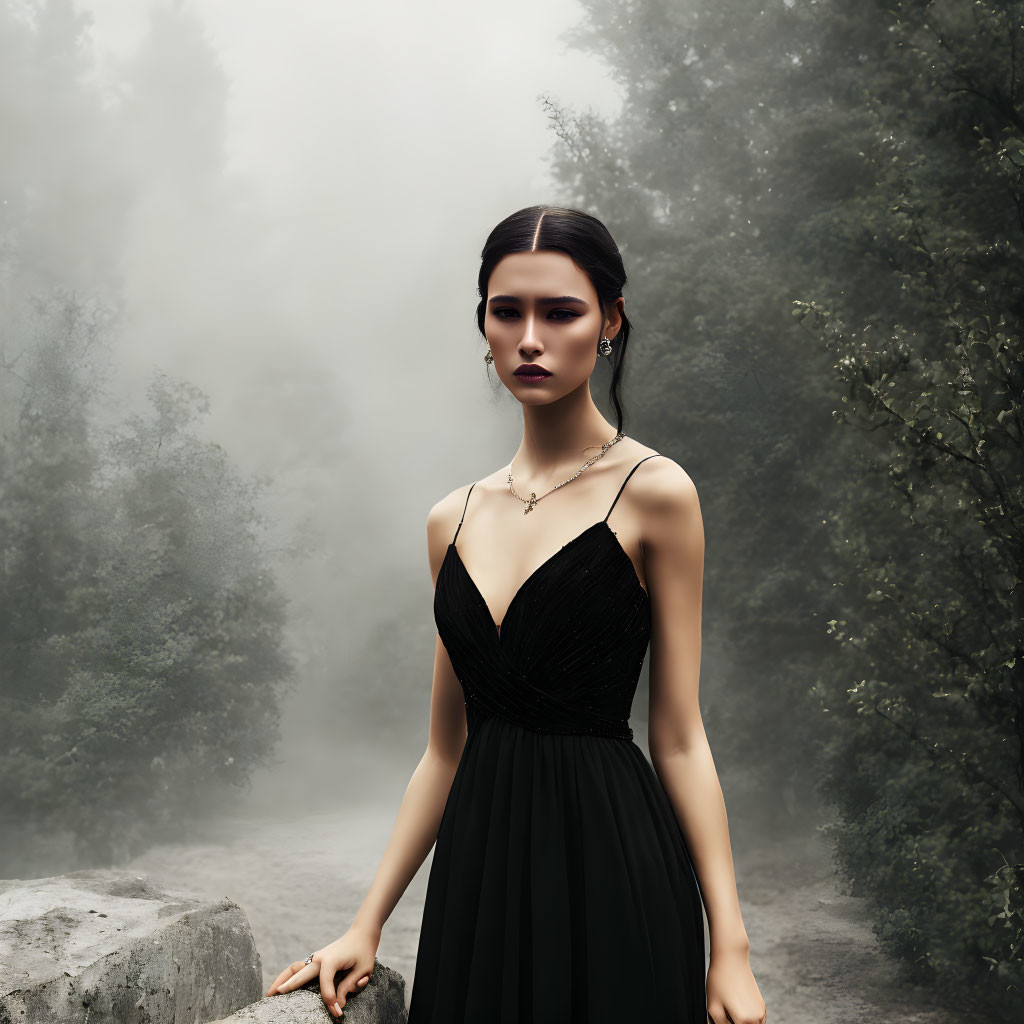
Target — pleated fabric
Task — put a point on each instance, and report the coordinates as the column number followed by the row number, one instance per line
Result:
column 561, row 889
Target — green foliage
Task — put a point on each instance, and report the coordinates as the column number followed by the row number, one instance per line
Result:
column 141, row 628
column 864, row 162
column 932, row 621
column 719, row 179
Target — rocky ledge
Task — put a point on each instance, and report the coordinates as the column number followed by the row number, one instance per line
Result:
column 99, row 947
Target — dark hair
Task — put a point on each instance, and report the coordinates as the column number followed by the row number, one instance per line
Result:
column 586, row 241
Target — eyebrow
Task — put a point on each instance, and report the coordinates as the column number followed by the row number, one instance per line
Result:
column 543, row 302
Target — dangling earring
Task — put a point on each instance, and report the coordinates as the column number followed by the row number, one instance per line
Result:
column 604, row 347
column 488, row 357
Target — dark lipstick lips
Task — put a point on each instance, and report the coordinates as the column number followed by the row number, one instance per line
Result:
column 531, row 370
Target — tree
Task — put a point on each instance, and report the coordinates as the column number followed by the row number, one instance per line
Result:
column 933, row 615
column 834, row 154
column 141, row 627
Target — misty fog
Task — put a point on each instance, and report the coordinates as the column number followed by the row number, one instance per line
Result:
column 252, row 232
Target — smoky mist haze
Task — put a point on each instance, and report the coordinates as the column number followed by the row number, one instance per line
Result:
column 239, row 363
column 284, row 207
column 289, row 209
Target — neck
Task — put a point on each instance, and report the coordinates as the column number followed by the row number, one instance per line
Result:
column 560, row 436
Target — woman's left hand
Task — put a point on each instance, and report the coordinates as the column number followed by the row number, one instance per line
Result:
column 732, row 994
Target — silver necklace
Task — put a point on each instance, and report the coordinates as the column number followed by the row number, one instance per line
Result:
column 531, row 502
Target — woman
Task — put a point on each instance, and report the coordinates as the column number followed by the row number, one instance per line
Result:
column 564, row 881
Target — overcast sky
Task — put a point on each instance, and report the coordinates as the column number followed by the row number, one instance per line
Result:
column 369, row 149
column 305, row 250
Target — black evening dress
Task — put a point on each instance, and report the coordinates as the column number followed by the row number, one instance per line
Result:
column 561, row 890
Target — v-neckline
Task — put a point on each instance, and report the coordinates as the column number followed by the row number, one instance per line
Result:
column 547, row 561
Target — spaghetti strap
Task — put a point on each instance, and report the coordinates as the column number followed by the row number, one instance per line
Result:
column 624, row 482
column 459, row 527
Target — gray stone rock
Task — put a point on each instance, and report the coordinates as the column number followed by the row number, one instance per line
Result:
column 381, row 1002
column 99, row 946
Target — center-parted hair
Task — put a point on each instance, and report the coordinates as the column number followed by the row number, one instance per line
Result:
column 591, row 247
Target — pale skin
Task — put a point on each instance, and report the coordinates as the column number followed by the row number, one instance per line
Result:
column 658, row 521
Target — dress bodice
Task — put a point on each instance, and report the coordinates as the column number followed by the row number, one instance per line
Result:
column 568, row 653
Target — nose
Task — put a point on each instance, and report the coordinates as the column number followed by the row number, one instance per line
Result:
column 530, row 342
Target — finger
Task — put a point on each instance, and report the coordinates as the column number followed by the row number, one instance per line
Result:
column 334, row 998
column 327, row 991
column 348, row 986
column 300, row 977
column 284, row 975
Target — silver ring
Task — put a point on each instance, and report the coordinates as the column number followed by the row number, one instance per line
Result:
column 309, row 959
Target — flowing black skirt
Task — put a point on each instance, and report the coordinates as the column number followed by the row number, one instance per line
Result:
column 561, row 890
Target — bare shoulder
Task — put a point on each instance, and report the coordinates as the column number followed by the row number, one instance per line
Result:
column 664, row 485
column 442, row 519
column 667, row 502
column 448, row 510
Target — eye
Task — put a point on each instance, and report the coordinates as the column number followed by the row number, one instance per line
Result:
column 570, row 314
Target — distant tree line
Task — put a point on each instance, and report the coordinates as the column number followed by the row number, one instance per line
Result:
column 142, row 648
column 860, row 464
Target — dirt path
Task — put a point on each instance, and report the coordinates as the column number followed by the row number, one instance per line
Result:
column 813, row 953
column 300, row 881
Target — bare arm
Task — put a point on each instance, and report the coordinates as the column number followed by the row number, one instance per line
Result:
column 673, row 540
column 418, row 820
column 419, row 814
column 674, row 566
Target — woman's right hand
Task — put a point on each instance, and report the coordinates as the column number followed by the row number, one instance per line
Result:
column 354, row 953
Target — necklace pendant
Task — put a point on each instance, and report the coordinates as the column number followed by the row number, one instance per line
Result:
column 532, row 503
